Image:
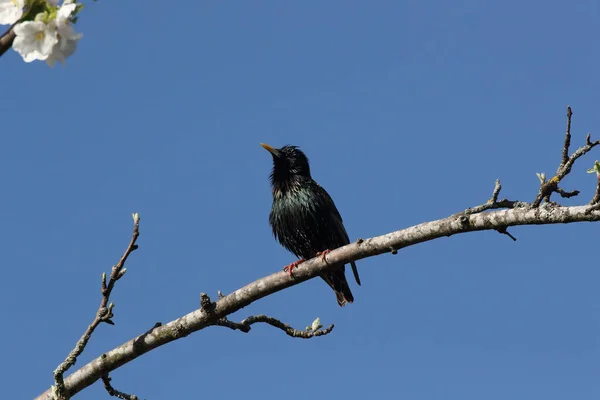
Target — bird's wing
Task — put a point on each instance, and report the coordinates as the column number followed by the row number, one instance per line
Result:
column 337, row 221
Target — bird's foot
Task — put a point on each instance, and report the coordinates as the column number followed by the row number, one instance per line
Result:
column 323, row 254
column 288, row 268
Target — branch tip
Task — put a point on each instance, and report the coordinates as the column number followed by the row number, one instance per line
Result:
column 104, row 314
column 496, row 192
column 114, row 392
column 245, row 326
column 551, row 186
column 567, row 144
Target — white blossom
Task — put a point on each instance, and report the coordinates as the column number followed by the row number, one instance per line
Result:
column 67, row 37
column 11, row 11
column 34, row 40
column 65, row 11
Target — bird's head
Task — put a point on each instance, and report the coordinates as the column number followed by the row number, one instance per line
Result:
column 290, row 166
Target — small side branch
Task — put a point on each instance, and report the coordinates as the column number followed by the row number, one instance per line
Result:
column 492, row 204
column 504, row 203
column 596, row 198
column 551, row 186
column 104, row 314
column 566, row 195
column 114, row 392
column 496, row 192
column 565, row 152
column 245, row 326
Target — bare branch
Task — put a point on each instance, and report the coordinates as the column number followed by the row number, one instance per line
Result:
column 245, row 326
column 551, row 186
column 492, row 203
column 504, row 203
column 104, row 314
column 513, row 213
column 565, row 152
column 566, row 195
column 114, row 392
column 596, row 198
column 7, row 39
column 496, row 192
column 521, row 214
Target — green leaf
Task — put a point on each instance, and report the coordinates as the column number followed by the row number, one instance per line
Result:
column 595, row 168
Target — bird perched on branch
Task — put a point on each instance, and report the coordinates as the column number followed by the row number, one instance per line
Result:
column 304, row 217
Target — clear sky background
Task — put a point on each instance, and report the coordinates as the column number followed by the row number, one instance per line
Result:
column 408, row 111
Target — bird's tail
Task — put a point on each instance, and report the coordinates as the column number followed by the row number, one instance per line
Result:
column 337, row 281
column 355, row 271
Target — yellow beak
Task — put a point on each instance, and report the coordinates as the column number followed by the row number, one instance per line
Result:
column 270, row 149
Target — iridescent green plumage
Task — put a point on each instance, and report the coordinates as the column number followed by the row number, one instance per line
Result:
column 304, row 218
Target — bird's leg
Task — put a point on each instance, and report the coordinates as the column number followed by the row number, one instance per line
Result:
column 323, row 254
column 288, row 268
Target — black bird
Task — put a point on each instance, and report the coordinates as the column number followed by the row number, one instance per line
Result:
column 304, row 218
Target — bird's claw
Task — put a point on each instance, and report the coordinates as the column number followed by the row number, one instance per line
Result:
column 323, row 254
column 289, row 268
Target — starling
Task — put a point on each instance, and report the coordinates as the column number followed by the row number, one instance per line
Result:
column 304, row 218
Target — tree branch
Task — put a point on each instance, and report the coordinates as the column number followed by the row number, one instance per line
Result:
column 551, row 186
column 565, row 152
column 7, row 39
column 104, row 314
column 596, row 197
column 245, row 326
column 521, row 214
column 114, row 392
column 487, row 216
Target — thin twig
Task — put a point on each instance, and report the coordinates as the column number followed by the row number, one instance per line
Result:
column 565, row 151
column 596, row 198
column 504, row 231
column 566, row 195
column 504, row 203
column 104, row 313
column 114, row 392
column 492, row 203
column 551, row 186
column 245, row 326
column 496, row 192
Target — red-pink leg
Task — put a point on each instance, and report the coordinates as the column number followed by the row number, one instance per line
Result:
column 323, row 254
column 288, row 268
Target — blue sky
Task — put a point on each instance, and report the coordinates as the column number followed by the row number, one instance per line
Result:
column 408, row 111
